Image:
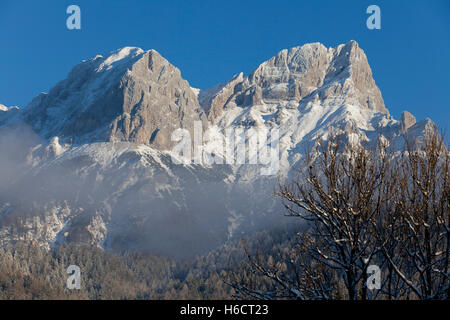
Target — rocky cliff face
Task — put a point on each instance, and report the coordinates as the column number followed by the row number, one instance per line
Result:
column 407, row 120
column 131, row 95
column 309, row 72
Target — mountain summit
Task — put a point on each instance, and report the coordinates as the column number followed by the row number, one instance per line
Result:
column 312, row 71
column 130, row 95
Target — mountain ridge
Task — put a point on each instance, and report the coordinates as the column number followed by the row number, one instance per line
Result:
column 311, row 71
column 91, row 161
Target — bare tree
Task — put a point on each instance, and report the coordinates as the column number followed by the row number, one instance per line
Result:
column 342, row 198
column 422, row 219
column 365, row 206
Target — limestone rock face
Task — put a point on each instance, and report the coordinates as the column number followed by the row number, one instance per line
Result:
column 156, row 102
column 214, row 100
column 311, row 71
column 131, row 95
column 292, row 74
column 407, row 120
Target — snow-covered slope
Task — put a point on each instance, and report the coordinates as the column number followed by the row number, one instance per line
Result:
column 91, row 161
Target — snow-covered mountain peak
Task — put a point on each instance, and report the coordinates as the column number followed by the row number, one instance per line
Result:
column 129, row 95
column 312, row 72
column 125, row 55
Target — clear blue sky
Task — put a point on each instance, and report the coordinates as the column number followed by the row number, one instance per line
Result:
column 210, row 41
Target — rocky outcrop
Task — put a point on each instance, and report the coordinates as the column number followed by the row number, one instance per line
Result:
column 131, row 95
column 308, row 72
column 214, row 100
column 407, row 120
column 156, row 102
